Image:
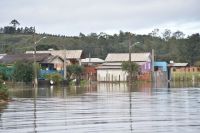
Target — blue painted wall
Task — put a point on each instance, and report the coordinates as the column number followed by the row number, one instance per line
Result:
column 161, row 65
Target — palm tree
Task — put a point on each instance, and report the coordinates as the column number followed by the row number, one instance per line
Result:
column 14, row 22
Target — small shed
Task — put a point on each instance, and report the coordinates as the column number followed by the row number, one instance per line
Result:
column 160, row 65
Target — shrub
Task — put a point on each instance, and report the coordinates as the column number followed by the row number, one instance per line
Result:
column 3, row 90
column 23, row 71
column 56, row 77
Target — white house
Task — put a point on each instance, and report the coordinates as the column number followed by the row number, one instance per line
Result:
column 92, row 61
column 111, row 70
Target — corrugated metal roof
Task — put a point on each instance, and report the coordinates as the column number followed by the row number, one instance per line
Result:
column 8, row 59
column 70, row 54
column 51, row 58
column 180, row 64
column 119, row 57
column 109, row 67
column 92, row 60
column 115, row 65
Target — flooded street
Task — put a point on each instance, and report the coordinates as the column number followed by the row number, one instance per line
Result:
column 102, row 108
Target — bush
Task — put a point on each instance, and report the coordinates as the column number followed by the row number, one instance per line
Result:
column 3, row 90
column 56, row 77
column 23, row 71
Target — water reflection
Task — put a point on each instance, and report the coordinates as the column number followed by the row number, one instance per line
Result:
column 102, row 107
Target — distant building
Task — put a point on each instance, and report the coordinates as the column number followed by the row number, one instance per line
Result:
column 161, row 71
column 90, row 64
column 71, row 56
column 111, row 70
column 179, row 67
column 91, row 61
column 46, row 61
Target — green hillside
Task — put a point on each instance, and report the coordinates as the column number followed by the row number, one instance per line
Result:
column 167, row 47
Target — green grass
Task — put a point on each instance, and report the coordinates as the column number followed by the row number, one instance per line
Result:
column 185, row 76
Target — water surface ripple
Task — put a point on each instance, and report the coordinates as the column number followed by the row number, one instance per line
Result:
column 103, row 110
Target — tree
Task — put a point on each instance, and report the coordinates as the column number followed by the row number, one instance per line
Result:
column 74, row 72
column 130, row 67
column 9, row 30
column 189, row 49
column 3, row 90
column 166, row 34
column 14, row 22
column 23, row 71
column 154, row 33
column 178, row 34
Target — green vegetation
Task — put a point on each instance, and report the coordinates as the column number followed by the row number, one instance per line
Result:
column 56, row 77
column 188, row 76
column 74, row 72
column 167, row 47
column 4, row 72
column 130, row 67
column 23, row 72
column 3, row 90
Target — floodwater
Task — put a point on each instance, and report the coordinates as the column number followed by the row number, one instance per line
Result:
column 103, row 108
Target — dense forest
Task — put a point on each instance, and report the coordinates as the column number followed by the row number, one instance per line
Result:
column 167, row 45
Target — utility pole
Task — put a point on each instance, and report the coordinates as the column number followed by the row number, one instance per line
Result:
column 130, row 70
column 35, row 67
column 152, row 65
column 34, row 57
column 65, row 69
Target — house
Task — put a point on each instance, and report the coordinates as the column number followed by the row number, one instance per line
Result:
column 90, row 64
column 161, row 71
column 46, row 60
column 111, row 70
column 10, row 59
column 91, row 61
column 160, row 66
column 179, row 67
column 53, row 63
column 71, row 56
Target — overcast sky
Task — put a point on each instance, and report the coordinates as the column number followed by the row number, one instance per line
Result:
column 70, row 17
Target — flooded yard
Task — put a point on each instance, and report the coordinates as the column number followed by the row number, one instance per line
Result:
column 103, row 108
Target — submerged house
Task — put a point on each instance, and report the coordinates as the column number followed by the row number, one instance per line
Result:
column 111, row 70
column 11, row 59
column 71, row 56
column 90, row 71
column 46, row 61
column 161, row 72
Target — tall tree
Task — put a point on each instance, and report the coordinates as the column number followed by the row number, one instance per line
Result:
column 178, row 34
column 14, row 22
column 166, row 34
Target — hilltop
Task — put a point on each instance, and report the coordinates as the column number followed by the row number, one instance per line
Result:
column 167, row 47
